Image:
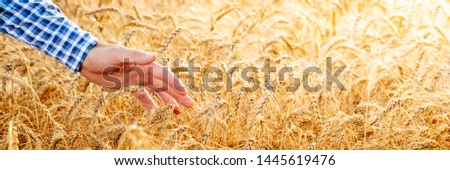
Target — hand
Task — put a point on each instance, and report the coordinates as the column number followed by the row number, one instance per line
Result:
column 118, row 67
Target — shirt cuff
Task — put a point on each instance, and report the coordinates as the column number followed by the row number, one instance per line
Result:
column 42, row 25
column 80, row 51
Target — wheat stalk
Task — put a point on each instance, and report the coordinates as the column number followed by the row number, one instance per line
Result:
column 20, row 49
column 103, row 9
column 20, row 82
column 162, row 58
column 396, row 77
column 13, row 141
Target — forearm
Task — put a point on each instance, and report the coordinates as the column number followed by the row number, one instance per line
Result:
column 42, row 25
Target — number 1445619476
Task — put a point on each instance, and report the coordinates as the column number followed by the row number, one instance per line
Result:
column 296, row 160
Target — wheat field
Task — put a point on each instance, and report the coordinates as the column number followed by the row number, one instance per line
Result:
column 396, row 53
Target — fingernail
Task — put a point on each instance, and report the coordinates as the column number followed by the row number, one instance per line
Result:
column 172, row 102
column 187, row 101
column 151, row 110
column 182, row 89
column 151, row 55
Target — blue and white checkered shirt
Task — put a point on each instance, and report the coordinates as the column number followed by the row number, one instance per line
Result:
column 42, row 25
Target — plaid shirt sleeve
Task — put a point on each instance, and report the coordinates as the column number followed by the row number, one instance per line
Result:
column 42, row 25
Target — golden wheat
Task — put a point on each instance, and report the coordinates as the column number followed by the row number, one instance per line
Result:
column 396, row 54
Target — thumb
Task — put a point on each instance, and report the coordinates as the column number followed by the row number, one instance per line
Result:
column 138, row 57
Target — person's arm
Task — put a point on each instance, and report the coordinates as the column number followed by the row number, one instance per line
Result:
column 42, row 25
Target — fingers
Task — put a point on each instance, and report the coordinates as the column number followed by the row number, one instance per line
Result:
column 153, row 79
column 139, row 69
column 145, row 74
column 166, row 98
column 140, row 58
column 143, row 63
column 168, row 94
column 117, row 67
column 162, row 73
column 131, row 56
column 145, row 99
column 160, row 86
column 148, row 102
